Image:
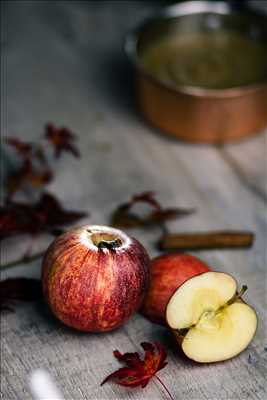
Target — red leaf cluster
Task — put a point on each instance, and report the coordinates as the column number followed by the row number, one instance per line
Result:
column 18, row 289
column 62, row 140
column 139, row 372
column 27, row 174
column 45, row 215
column 23, row 149
column 34, row 169
column 124, row 217
column 145, row 197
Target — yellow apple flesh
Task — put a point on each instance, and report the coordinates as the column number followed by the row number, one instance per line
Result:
column 210, row 322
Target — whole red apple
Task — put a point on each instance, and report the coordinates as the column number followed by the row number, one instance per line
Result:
column 167, row 273
column 95, row 277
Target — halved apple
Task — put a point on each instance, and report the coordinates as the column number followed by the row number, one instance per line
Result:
column 209, row 318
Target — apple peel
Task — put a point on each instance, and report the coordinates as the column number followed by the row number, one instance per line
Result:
column 167, row 273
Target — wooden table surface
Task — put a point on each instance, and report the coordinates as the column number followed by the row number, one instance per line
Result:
column 63, row 62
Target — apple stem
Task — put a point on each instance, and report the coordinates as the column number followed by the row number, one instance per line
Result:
column 242, row 291
column 109, row 244
column 165, row 387
column 238, row 295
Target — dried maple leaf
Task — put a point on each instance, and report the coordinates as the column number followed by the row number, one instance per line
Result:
column 123, row 216
column 23, row 149
column 18, row 289
column 145, row 197
column 28, row 151
column 13, row 221
column 27, row 174
column 62, row 139
column 51, row 212
column 34, row 169
column 44, row 216
column 139, row 372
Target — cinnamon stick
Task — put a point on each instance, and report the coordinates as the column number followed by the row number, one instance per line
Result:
column 206, row 240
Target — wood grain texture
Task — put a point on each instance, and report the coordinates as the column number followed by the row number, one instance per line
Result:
column 62, row 61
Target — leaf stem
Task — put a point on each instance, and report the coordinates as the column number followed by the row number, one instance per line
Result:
column 23, row 259
column 165, row 387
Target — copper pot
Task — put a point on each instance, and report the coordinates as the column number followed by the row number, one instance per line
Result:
column 192, row 113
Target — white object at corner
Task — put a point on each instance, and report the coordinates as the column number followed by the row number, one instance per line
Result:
column 43, row 387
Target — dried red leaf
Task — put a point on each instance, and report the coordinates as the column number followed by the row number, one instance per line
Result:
column 167, row 214
column 40, row 179
column 139, row 372
column 123, row 216
column 44, row 216
column 34, row 169
column 145, row 197
column 18, row 289
column 62, row 140
column 27, row 174
column 23, row 149
column 52, row 214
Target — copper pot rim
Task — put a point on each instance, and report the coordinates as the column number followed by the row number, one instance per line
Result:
column 217, row 7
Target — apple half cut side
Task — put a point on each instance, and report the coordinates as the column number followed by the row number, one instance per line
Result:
column 209, row 319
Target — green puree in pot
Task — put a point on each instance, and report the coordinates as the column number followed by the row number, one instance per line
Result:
column 215, row 60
